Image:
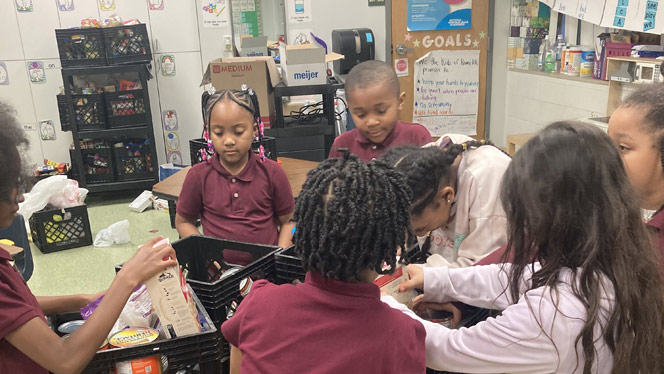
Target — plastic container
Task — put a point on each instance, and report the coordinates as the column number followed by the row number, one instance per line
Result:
column 587, row 64
column 125, row 109
column 206, row 349
column 196, row 145
column 195, row 255
column 63, row 110
column 56, row 230
column 81, row 47
column 127, row 44
column 288, row 266
column 89, row 112
column 98, row 165
column 133, row 160
column 572, row 60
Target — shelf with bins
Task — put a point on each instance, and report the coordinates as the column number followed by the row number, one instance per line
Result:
column 616, row 87
column 118, row 117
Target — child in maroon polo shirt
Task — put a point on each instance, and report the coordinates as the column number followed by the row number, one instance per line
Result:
column 27, row 344
column 637, row 129
column 374, row 102
column 351, row 218
column 237, row 194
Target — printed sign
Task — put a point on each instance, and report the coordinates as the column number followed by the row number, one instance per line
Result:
column 36, row 72
column 170, row 120
column 167, row 65
column 23, row 6
column 65, row 5
column 47, row 130
column 439, row 14
column 376, row 2
column 172, row 141
column 401, row 67
column 446, row 96
column 299, row 11
column 214, row 13
column 4, row 74
column 156, row 4
column 175, row 157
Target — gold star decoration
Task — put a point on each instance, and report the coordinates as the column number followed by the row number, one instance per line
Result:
column 416, row 43
column 482, row 35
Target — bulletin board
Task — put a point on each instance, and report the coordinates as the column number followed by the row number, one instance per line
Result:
column 247, row 17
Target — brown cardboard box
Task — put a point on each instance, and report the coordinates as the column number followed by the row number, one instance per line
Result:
column 258, row 73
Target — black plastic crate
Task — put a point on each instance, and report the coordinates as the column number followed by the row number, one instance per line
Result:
column 81, row 47
column 206, row 348
column 198, row 145
column 89, row 112
column 195, row 255
column 98, row 165
column 55, row 230
column 125, row 108
column 127, row 44
column 63, row 109
column 288, row 266
column 133, row 160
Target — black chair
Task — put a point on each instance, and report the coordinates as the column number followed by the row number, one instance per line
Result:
column 17, row 233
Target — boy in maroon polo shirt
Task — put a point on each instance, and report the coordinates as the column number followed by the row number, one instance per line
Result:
column 351, row 218
column 237, row 194
column 374, row 102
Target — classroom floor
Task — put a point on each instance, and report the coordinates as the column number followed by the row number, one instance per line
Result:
column 90, row 269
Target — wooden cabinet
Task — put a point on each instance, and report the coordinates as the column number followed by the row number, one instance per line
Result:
column 618, row 89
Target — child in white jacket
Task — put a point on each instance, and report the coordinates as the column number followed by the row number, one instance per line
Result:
column 584, row 293
column 456, row 210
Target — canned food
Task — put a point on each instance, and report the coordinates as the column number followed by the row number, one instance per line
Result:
column 71, row 326
column 133, row 336
column 245, row 286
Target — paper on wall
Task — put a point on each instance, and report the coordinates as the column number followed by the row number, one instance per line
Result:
column 446, row 91
column 214, row 13
column 566, row 6
column 299, row 11
column 590, row 11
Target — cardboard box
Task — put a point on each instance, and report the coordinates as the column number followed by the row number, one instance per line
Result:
column 253, row 47
column 305, row 64
column 390, row 284
column 258, row 73
column 172, row 299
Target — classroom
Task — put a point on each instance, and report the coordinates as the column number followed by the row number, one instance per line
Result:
column 356, row 186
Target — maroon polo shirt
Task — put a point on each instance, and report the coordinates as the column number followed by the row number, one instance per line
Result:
column 241, row 207
column 324, row 326
column 402, row 134
column 656, row 224
column 17, row 306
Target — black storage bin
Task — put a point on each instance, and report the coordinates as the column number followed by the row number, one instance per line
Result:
column 288, row 266
column 63, row 110
column 195, row 255
column 55, row 230
column 205, row 348
column 125, row 108
column 81, row 47
column 196, row 145
column 98, row 165
column 127, row 44
column 133, row 160
column 89, row 112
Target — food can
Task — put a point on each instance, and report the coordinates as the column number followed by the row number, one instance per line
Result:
column 71, row 326
column 245, row 286
column 132, row 337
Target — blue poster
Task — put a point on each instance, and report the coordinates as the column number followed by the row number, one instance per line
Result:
column 439, row 14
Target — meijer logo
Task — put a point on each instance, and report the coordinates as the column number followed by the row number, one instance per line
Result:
column 308, row 75
column 235, row 68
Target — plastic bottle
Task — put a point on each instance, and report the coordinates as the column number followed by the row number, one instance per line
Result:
column 560, row 46
column 549, row 57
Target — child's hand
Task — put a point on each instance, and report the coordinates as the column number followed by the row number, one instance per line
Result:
column 415, row 279
column 419, row 306
column 148, row 261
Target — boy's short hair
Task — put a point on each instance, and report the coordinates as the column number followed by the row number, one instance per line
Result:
column 370, row 73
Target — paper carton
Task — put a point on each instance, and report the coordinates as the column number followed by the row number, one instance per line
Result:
column 253, row 47
column 258, row 73
column 305, row 64
column 390, row 284
column 173, row 301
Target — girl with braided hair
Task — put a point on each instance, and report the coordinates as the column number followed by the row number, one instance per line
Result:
column 456, row 211
column 238, row 195
column 351, row 218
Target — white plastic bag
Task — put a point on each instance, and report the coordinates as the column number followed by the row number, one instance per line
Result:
column 117, row 233
column 57, row 191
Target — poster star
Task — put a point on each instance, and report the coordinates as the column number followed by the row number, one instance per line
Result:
column 408, row 37
column 416, row 43
column 476, row 43
column 482, row 35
